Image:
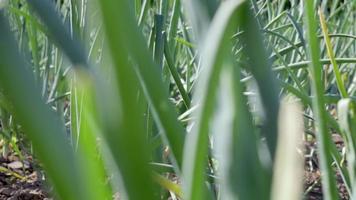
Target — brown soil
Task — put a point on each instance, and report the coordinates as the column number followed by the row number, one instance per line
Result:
column 312, row 175
column 20, row 181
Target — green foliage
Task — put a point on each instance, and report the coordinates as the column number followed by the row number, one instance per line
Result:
column 177, row 100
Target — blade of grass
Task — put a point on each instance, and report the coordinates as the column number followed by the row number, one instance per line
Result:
column 94, row 173
column 143, row 12
column 86, row 142
column 287, row 49
column 159, row 40
column 261, row 70
column 285, row 39
column 248, row 180
column 331, row 55
column 59, row 33
column 126, row 136
column 175, row 75
column 196, row 145
column 168, row 184
column 37, row 119
column 149, row 76
column 328, row 179
column 173, row 25
column 304, row 64
column 298, row 29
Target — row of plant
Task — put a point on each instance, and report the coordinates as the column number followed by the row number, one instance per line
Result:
column 180, row 99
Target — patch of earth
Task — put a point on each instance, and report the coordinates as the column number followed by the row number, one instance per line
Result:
column 312, row 175
column 20, row 181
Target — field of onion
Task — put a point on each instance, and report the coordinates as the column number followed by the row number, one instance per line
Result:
column 191, row 99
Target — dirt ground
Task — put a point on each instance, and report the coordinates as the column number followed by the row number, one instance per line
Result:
column 20, row 180
column 312, row 179
column 25, row 180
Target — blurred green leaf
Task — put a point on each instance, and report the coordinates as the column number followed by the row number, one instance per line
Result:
column 41, row 124
column 261, row 70
column 60, row 33
column 87, row 134
column 323, row 136
column 196, row 145
column 148, row 74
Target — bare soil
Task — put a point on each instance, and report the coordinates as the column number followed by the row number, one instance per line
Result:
column 20, row 181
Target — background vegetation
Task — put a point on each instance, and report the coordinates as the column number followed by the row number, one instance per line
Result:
column 170, row 99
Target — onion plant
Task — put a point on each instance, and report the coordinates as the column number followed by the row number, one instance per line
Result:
column 171, row 99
